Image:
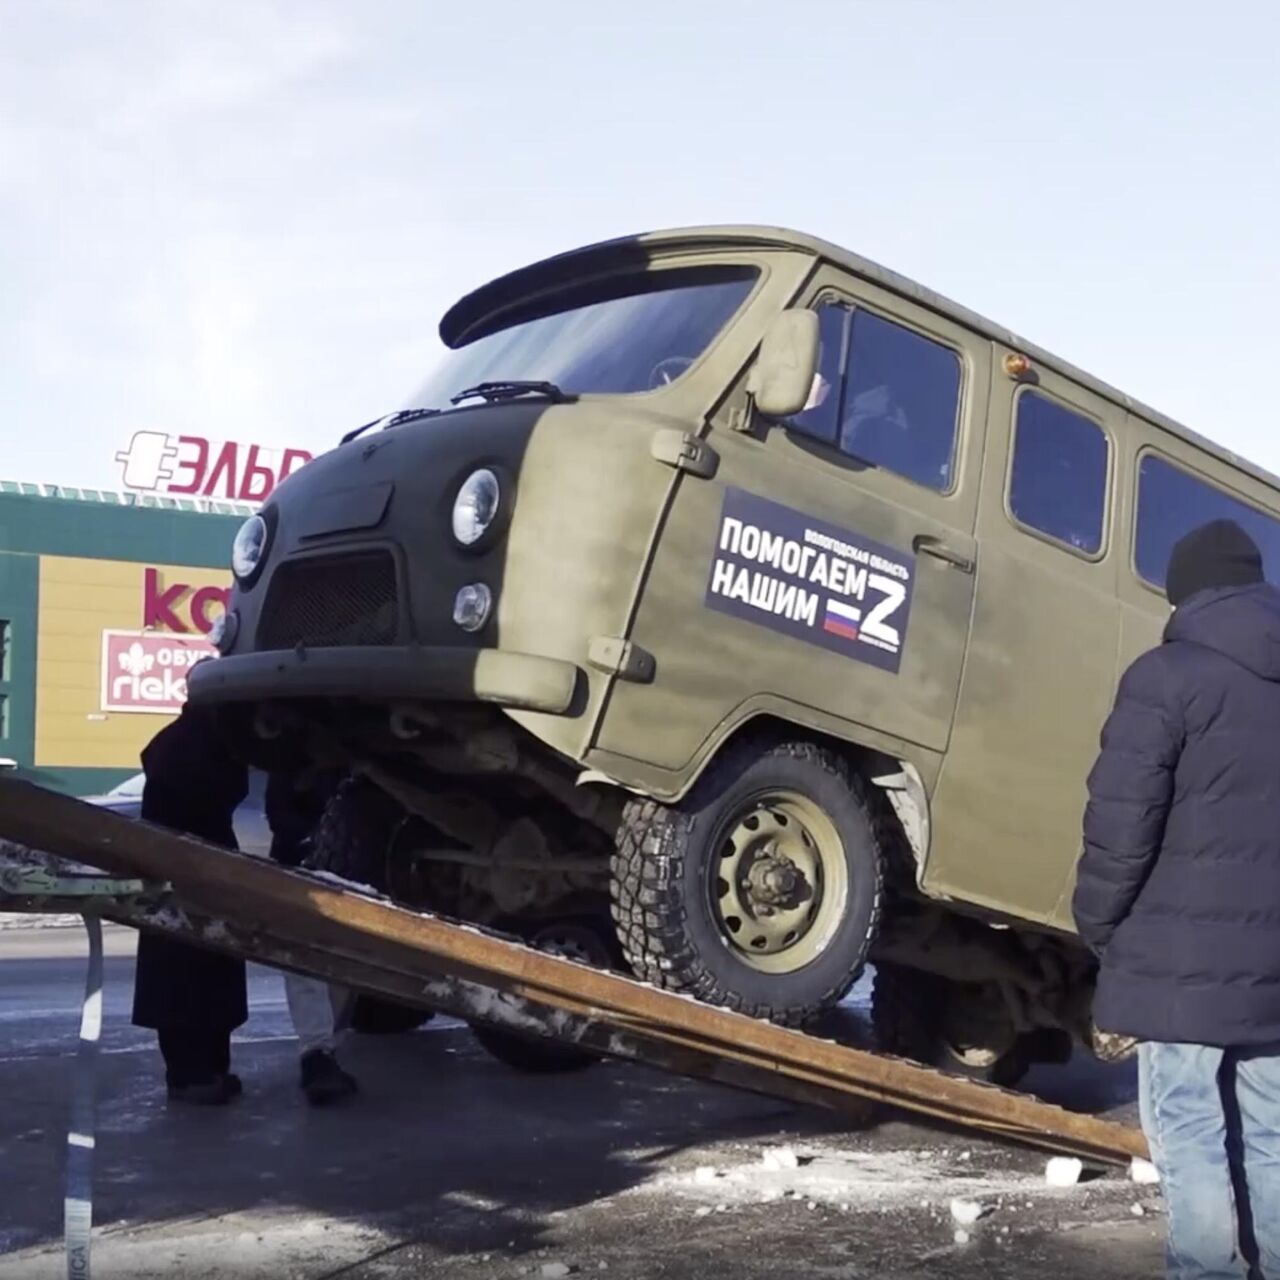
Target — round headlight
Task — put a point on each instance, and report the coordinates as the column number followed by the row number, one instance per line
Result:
column 476, row 506
column 249, row 547
column 472, row 606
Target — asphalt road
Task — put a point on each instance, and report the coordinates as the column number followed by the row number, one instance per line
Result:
column 451, row 1164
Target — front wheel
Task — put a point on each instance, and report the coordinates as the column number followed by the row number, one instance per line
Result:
column 353, row 838
column 761, row 890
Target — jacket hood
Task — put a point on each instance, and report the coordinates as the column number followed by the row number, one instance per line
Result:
column 1243, row 623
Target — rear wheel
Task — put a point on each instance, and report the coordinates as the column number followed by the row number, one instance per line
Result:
column 579, row 940
column 960, row 1028
column 760, row 890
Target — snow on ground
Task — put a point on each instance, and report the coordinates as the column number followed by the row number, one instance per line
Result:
column 944, row 1180
column 235, row 1244
column 36, row 920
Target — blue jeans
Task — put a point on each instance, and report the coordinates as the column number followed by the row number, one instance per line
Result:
column 1208, row 1114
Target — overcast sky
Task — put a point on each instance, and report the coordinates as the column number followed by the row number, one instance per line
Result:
column 243, row 220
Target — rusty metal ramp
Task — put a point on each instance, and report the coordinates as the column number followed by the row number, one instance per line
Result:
column 319, row 925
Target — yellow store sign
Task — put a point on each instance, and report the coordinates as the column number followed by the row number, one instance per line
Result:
column 83, row 606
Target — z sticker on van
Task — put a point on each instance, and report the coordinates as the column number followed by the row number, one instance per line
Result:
column 811, row 580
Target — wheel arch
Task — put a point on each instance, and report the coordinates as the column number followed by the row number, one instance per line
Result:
column 898, row 780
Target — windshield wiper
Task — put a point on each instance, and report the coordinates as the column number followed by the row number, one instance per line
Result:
column 397, row 419
column 493, row 391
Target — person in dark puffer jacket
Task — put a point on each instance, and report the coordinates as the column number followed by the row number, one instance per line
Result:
column 1178, row 893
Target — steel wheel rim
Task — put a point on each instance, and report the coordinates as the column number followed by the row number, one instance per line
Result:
column 975, row 1057
column 974, row 1032
column 572, row 942
column 778, row 882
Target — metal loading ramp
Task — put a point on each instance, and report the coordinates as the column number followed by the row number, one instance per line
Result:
column 319, row 925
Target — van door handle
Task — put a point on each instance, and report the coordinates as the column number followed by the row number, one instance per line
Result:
column 927, row 545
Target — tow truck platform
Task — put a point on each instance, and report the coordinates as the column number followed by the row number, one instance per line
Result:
column 149, row 878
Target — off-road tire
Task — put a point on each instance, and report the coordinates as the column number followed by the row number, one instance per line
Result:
column 353, row 840
column 353, row 837
column 907, row 1012
column 660, row 882
column 532, row 1054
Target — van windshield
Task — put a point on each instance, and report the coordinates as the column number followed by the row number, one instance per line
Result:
column 630, row 334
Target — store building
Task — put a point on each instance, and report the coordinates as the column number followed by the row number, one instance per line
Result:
column 105, row 601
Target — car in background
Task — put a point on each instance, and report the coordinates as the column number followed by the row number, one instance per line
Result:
column 252, row 831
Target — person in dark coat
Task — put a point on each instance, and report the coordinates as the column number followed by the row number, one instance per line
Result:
column 192, row 998
column 1178, row 894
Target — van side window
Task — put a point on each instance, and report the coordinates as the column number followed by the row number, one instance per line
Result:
column 885, row 395
column 901, row 400
column 1058, row 481
column 1172, row 502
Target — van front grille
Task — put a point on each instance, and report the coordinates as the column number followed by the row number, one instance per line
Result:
column 323, row 603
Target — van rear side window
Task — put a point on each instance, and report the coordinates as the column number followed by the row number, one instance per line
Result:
column 1058, row 481
column 885, row 395
column 1172, row 502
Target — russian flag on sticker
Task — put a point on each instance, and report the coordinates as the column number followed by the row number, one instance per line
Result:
column 842, row 619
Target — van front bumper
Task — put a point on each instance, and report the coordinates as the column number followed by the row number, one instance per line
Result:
column 424, row 673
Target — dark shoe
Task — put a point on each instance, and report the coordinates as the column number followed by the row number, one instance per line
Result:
column 208, row 1093
column 323, row 1080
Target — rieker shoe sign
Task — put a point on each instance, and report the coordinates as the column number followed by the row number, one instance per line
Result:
column 146, row 670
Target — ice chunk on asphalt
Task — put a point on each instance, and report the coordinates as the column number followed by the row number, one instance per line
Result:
column 1063, row 1171
column 966, row 1212
column 555, row 1270
column 961, row 1236
column 1138, row 1211
column 1143, row 1172
column 776, row 1159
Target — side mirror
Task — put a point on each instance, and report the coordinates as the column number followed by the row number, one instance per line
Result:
column 782, row 377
